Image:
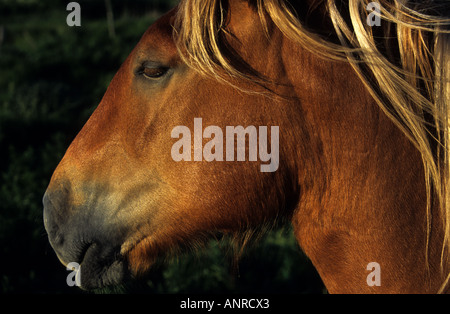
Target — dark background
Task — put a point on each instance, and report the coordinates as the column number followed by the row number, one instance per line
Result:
column 52, row 77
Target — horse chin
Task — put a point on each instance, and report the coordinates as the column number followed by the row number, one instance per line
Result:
column 98, row 270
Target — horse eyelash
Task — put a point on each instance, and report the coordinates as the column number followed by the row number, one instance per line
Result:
column 160, row 71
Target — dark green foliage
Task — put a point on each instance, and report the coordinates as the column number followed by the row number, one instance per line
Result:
column 51, row 79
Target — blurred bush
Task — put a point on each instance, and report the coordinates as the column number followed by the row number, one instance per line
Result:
column 51, row 79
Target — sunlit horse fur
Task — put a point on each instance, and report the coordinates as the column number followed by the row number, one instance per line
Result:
column 363, row 161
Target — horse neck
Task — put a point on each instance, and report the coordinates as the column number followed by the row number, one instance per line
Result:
column 363, row 194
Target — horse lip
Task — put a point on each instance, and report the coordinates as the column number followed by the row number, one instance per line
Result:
column 84, row 252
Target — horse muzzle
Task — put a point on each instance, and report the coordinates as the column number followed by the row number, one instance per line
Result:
column 79, row 234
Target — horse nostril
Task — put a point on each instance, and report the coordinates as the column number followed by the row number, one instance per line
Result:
column 47, row 204
column 54, row 202
column 55, row 221
column 49, row 220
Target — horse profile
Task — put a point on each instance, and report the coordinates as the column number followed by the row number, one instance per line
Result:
column 361, row 112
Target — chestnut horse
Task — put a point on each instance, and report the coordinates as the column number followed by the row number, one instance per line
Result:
column 359, row 93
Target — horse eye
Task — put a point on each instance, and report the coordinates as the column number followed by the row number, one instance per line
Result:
column 153, row 72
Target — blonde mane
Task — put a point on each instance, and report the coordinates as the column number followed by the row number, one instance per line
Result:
column 412, row 87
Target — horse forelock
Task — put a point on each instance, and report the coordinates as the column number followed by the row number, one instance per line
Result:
column 408, row 76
